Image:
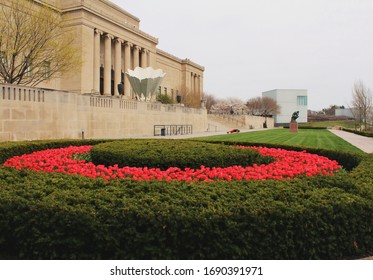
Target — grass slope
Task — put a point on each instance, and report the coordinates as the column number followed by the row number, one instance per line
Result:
column 314, row 138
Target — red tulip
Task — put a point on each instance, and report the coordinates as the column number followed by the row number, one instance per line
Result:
column 287, row 165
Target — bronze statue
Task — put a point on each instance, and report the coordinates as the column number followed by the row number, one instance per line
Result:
column 295, row 116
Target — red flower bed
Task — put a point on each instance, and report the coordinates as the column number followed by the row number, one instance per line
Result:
column 287, row 165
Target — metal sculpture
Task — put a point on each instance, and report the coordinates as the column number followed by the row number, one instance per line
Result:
column 145, row 81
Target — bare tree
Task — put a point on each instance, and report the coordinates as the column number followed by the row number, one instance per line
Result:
column 34, row 44
column 254, row 106
column 263, row 106
column 361, row 104
column 269, row 107
column 210, row 101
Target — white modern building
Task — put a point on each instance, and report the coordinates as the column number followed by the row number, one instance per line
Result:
column 346, row 112
column 290, row 101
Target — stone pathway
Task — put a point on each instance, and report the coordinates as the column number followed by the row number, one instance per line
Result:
column 362, row 142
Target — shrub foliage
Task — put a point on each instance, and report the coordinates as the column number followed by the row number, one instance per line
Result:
column 57, row 216
column 163, row 154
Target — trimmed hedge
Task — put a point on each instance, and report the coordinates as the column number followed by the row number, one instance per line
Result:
column 163, row 154
column 362, row 133
column 348, row 160
column 57, row 216
column 11, row 149
column 306, row 127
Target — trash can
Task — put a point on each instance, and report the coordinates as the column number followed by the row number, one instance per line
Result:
column 163, row 132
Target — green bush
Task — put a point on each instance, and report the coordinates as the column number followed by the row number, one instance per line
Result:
column 163, row 154
column 310, row 127
column 11, row 149
column 57, row 216
column 165, row 99
column 362, row 133
column 347, row 159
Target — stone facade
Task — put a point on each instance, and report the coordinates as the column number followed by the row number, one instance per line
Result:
column 110, row 43
column 33, row 113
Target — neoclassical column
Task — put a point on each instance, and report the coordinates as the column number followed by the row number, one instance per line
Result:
column 144, row 58
column 107, row 65
column 147, row 58
column 195, row 87
column 96, row 60
column 127, row 65
column 192, row 83
column 117, row 65
column 136, row 56
column 198, row 77
column 150, row 59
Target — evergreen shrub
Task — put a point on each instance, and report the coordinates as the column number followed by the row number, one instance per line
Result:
column 155, row 153
column 348, row 160
column 58, row 216
column 362, row 133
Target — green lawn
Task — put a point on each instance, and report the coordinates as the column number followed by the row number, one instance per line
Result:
column 316, row 138
column 345, row 123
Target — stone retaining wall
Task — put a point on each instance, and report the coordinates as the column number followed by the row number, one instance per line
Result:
column 32, row 113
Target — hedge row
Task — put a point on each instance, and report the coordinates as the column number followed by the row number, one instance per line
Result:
column 348, row 160
column 10, row 149
column 362, row 133
column 57, row 216
column 155, row 153
column 306, row 127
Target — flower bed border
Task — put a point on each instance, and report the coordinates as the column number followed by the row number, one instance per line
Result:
column 287, row 165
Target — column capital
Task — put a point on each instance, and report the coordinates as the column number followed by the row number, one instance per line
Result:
column 109, row 36
column 128, row 44
column 98, row 31
column 137, row 47
column 118, row 40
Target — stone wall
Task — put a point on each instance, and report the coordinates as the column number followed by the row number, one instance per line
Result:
column 32, row 113
column 242, row 121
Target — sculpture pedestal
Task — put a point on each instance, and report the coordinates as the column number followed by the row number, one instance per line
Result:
column 293, row 127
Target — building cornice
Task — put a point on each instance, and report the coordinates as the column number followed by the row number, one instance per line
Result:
column 188, row 61
column 122, row 24
column 179, row 60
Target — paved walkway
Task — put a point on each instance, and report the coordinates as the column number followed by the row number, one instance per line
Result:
column 362, row 142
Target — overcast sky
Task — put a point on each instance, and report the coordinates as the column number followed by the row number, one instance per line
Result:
column 251, row 46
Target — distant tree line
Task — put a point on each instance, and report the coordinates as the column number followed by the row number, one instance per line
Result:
column 256, row 106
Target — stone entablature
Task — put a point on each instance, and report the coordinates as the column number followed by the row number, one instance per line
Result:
column 181, row 61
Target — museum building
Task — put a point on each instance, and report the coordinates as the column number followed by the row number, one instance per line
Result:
column 87, row 103
column 110, row 42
